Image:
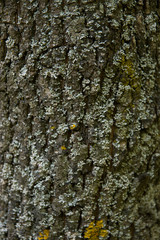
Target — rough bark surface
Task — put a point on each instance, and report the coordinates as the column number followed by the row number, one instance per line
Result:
column 80, row 118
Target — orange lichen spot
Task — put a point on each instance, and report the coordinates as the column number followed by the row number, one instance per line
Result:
column 94, row 231
column 72, row 126
column 53, row 127
column 44, row 235
column 63, row 148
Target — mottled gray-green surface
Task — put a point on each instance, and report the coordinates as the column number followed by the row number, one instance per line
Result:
column 80, row 118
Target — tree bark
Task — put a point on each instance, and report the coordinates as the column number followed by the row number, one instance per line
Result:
column 80, row 119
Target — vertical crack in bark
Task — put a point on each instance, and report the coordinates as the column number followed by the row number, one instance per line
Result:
column 63, row 215
column 79, row 220
column 97, row 196
column 132, row 230
column 3, row 49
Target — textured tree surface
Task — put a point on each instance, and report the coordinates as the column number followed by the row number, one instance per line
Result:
column 80, row 119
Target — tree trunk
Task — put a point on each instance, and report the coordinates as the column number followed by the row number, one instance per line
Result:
column 80, row 119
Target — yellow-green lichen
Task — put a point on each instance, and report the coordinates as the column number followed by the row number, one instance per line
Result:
column 129, row 75
column 63, row 147
column 44, row 235
column 94, row 231
column 72, row 126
